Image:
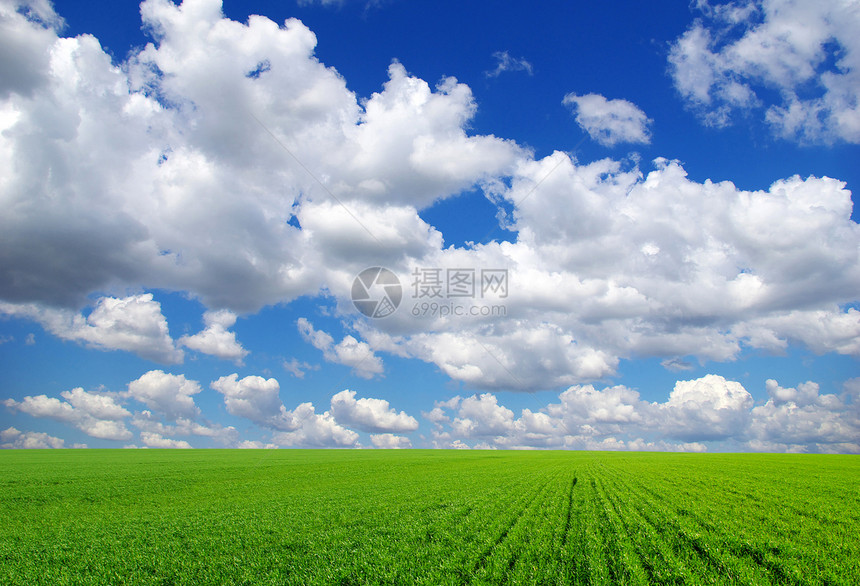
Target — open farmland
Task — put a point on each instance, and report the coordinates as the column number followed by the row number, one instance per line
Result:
column 431, row 517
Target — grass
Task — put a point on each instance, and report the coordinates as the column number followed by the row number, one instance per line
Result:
column 427, row 517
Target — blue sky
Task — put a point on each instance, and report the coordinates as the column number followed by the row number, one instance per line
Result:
column 191, row 192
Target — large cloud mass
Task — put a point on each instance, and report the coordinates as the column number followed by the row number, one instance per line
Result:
column 708, row 409
column 225, row 160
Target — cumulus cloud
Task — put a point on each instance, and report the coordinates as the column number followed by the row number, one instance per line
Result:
column 146, row 421
column 374, row 415
column 389, row 441
column 154, row 440
column 12, row 438
column 349, row 351
column 137, row 180
column 101, row 414
column 97, row 415
column 315, row 430
column 482, row 416
column 504, row 62
column 643, row 265
column 801, row 419
column 609, row 122
column 255, row 398
column 708, row 409
column 134, row 324
column 215, row 339
column 255, row 445
column 169, row 394
column 26, row 30
column 739, row 53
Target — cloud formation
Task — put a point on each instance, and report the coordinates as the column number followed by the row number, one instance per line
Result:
column 256, row 399
column 504, row 62
column 736, row 56
column 169, row 394
column 710, row 412
column 98, row 416
column 389, row 441
column 11, row 438
column 350, row 352
column 374, row 415
column 609, row 122
column 708, row 409
column 129, row 177
column 315, row 430
column 215, row 339
column 134, row 324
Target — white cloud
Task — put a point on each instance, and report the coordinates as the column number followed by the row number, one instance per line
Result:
column 148, row 422
column 134, row 324
column 215, row 339
column 137, row 180
column 169, row 394
column 153, row 440
column 800, row 419
column 350, row 352
column 632, row 265
column 98, row 406
column 518, row 355
column 374, row 415
column 612, row 405
column 740, row 54
column 609, row 122
column 25, row 35
column 504, row 62
column 255, row 398
column 151, row 185
column 255, row 445
column 389, row 441
column 315, row 430
column 657, row 266
column 482, row 416
column 805, row 393
column 12, row 438
column 298, row 369
column 97, row 415
column 708, row 409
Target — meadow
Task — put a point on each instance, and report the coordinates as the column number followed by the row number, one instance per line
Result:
column 427, row 517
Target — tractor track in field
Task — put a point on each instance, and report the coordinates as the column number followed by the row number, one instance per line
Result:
column 569, row 512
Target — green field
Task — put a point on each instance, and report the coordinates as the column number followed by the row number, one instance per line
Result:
column 429, row 517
